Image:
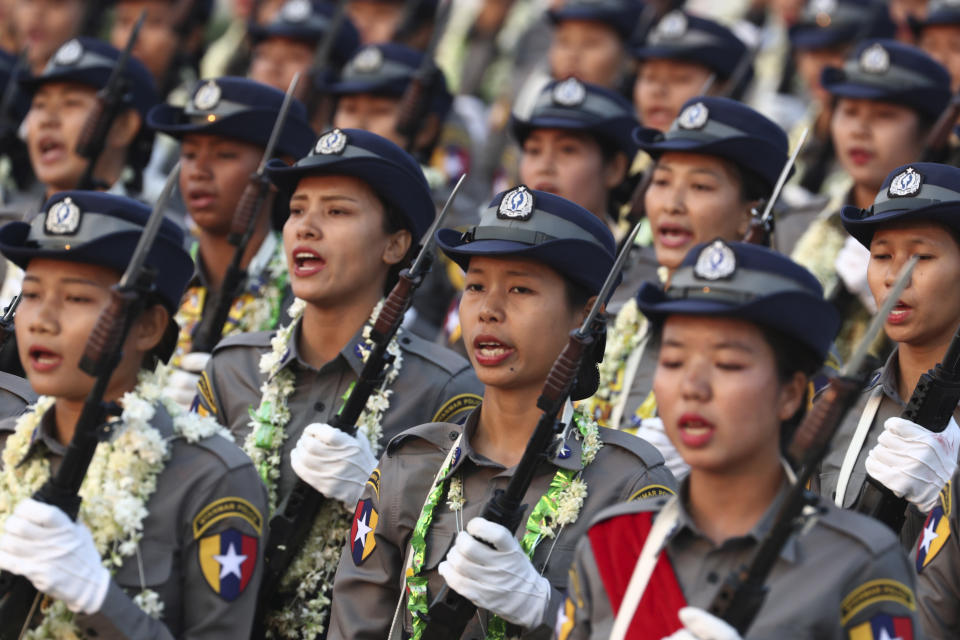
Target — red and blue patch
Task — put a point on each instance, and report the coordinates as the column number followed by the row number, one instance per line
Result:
column 363, row 537
column 936, row 531
column 883, row 626
column 228, row 560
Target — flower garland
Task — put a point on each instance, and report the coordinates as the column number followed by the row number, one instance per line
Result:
column 119, row 483
column 558, row 507
column 310, row 575
column 256, row 309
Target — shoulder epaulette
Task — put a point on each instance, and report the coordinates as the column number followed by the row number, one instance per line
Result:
column 634, row 444
column 628, row 508
column 232, row 456
column 260, row 339
column 439, row 434
column 858, row 527
column 448, row 360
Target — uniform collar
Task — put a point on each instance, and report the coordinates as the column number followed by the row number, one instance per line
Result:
column 886, row 377
column 568, row 456
column 350, row 353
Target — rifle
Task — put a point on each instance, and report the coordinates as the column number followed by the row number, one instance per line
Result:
column 291, row 524
column 105, row 111
column 450, row 612
column 9, row 357
column 255, row 196
column 408, row 21
column 18, row 597
column 743, row 592
column 732, row 88
column 181, row 21
column 413, row 107
column 8, row 122
column 761, row 227
column 931, row 406
column 937, row 144
column 313, row 96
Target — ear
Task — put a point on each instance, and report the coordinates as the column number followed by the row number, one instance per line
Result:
column 792, row 395
column 124, row 129
column 744, row 222
column 398, row 243
column 149, row 328
column 429, row 132
column 615, row 171
column 582, row 314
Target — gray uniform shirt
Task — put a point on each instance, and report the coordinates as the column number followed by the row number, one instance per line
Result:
column 365, row 593
column 207, row 497
column 845, row 572
column 15, row 394
column 938, row 567
column 433, row 384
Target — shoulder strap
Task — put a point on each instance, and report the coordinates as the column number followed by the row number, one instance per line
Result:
column 856, row 443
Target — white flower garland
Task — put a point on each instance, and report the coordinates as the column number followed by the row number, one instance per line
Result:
column 629, row 329
column 120, row 481
column 311, row 573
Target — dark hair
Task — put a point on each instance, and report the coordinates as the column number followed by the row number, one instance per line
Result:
column 790, row 357
column 394, row 221
column 164, row 349
column 588, row 375
column 752, row 186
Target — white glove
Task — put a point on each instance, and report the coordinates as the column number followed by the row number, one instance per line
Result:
column 700, row 625
column 332, row 462
column 56, row 554
column 915, row 463
column 499, row 579
column 651, row 430
column 851, row 265
column 182, row 383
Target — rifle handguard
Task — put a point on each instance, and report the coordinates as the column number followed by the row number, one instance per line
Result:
column 821, row 420
column 411, row 110
column 562, row 373
column 94, row 132
column 251, row 201
column 395, row 305
column 107, row 335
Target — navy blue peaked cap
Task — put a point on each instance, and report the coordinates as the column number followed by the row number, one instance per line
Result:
column 386, row 69
column 621, row 15
column 542, row 226
column 309, row 20
column 103, row 229
column 750, row 282
column 389, row 170
column 918, row 191
column 829, row 23
column 578, row 106
column 939, row 12
column 725, row 128
column 682, row 36
column 89, row 61
column 888, row 71
column 236, row 108
column 199, row 13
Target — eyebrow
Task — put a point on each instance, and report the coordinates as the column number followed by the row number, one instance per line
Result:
column 330, row 198
column 66, row 280
column 728, row 344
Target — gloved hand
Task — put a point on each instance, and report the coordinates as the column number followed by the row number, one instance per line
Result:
column 651, row 430
column 851, row 266
column 56, row 554
column 500, row 579
column 332, row 462
column 183, row 380
column 700, row 625
column 914, row 463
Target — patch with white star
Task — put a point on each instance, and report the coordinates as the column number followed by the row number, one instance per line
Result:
column 227, row 561
column 883, row 626
column 363, row 537
column 936, row 532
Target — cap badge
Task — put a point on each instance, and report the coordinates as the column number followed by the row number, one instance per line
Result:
column 569, row 93
column 369, row 59
column 63, row 218
column 69, row 54
column 296, row 10
column 673, row 25
column 207, row 96
column 716, row 261
column 875, row 59
column 905, row 184
column 823, row 8
column 331, row 143
column 693, row 117
column 516, row 205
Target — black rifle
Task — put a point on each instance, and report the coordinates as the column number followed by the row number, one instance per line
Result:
column 8, row 121
column 743, row 592
column 450, row 612
column 9, row 357
column 314, row 96
column 937, row 145
column 183, row 15
column 931, row 406
column 761, row 226
column 255, row 195
column 18, row 597
column 291, row 524
column 109, row 104
column 415, row 103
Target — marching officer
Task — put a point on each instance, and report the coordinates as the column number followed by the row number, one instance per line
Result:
column 168, row 539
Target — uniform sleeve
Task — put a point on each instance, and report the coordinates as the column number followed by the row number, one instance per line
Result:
column 207, row 401
column 881, row 597
column 366, row 588
column 220, row 566
column 650, row 482
column 938, row 567
column 458, row 397
column 573, row 620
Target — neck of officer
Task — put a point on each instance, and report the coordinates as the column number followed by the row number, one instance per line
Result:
column 67, row 411
column 863, row 195
column 326, row 330
column 508, row 418
column 216, row 252
column 108, row 171
column 729, row 503
column 915, row 360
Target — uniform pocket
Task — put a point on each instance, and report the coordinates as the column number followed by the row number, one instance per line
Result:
column 156, row 561
column 438, row 544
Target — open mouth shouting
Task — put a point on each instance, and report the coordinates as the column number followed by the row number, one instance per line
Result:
column 306, row 262
column 490, row 350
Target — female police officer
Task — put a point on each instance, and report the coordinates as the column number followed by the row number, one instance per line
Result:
column 743, row 329
column 167, row 540
column 532, row 265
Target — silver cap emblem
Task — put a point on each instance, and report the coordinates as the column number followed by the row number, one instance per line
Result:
column 369, row 60
column 63, row 218
column 296, row 10
column 905, row 184
column 672, row 26
column 716, row 261
column 694, row 117
column 207, row 96
column 569, row 93
column 875, row 59
column 331, row 143
column 516, row 205
column 69, row 54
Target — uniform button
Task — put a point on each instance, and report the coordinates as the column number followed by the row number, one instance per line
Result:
column 92, row 633
column 405, row 340
column 712, row 577
column 319, row 406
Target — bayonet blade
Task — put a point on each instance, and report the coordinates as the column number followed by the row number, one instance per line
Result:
column 150, row 230
column 278, row 124
column 428, row 238
column 610, row 281
column 782, row 179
